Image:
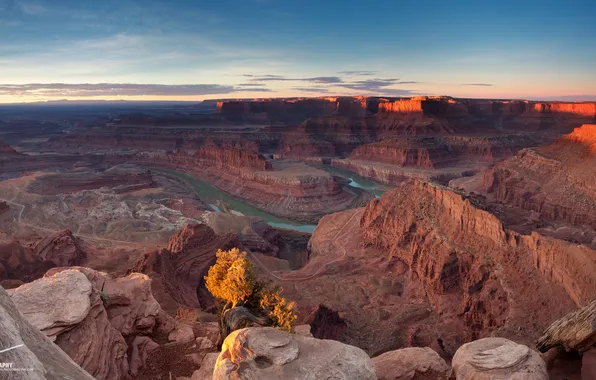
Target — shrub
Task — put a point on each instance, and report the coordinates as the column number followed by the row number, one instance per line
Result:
column 232, row 280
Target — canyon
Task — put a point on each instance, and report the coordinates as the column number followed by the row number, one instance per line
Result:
column 391, row 222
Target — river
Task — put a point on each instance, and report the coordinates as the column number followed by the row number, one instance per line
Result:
column 212, row 195
column 357, row 181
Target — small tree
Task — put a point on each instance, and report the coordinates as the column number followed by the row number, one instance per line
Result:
column 232, row 280
column 278, row 308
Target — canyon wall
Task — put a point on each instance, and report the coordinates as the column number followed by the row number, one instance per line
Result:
column 557, row 182
column 473, row 268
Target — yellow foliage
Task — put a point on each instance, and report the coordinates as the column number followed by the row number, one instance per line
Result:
column 232, row 278
column 278, row 309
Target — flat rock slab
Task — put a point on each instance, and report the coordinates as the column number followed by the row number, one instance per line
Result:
column 56, row 301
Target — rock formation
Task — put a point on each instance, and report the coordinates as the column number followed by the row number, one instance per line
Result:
column 427, row 266
column 414, row 363
column 496, row 359
column 269, row 353
column 177, row 272
column 326, row 324
column 105, row 325
column 33, row 351
column 20, row 263
column 61, row 248
column 555, row 182
column 575, row 331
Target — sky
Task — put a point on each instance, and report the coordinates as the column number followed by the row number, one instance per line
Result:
column 196, row 49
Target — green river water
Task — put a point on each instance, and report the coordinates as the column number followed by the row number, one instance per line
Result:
column 213, row 196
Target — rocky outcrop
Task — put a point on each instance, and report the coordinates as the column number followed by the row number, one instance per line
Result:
column 414, row 363
column 69, row 310
column 231, row 157
column 326, row 324
column 55, row 304
column 177, row 272
column 555, row 182
column 496, row 359
column 20, row 262
column 269, row 353
column 61, row 248
column 575, row 331
column 106, row 325
column 32, row 350
column 255, row 233
column 479, row 243
column 427, row 266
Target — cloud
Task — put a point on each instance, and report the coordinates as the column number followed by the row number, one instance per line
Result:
column 311, row 89
column 478, row 84
column 370, row 84
column 279, row 78
column 357, row 72
column 52, row 90
column 251, row 84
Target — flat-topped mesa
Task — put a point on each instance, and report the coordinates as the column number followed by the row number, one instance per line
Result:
column 584, row 109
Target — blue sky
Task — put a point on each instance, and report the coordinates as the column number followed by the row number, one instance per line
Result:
column 191, row 50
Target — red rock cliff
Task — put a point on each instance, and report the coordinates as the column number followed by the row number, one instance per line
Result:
column 473, row 267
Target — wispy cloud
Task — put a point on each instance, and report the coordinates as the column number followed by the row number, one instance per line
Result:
column 53, row 90
column 478, row 84
column 321, row 90
column 279, row 78
column 358, row 73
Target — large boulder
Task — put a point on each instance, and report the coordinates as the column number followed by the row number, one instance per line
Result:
column 269, row 353
column 32, row 349
column 70, row 310
column 414, row 363
column 91, row 316
column 54, row 304
column 497, row 359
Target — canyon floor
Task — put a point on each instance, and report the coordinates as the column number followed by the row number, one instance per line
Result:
column 414, row 222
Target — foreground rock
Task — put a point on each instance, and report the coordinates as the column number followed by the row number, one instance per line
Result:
column 105, row 325
column 37, row 353
column 575, row 331
column 496, row 359
column 414, row 363
column 269, row 353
